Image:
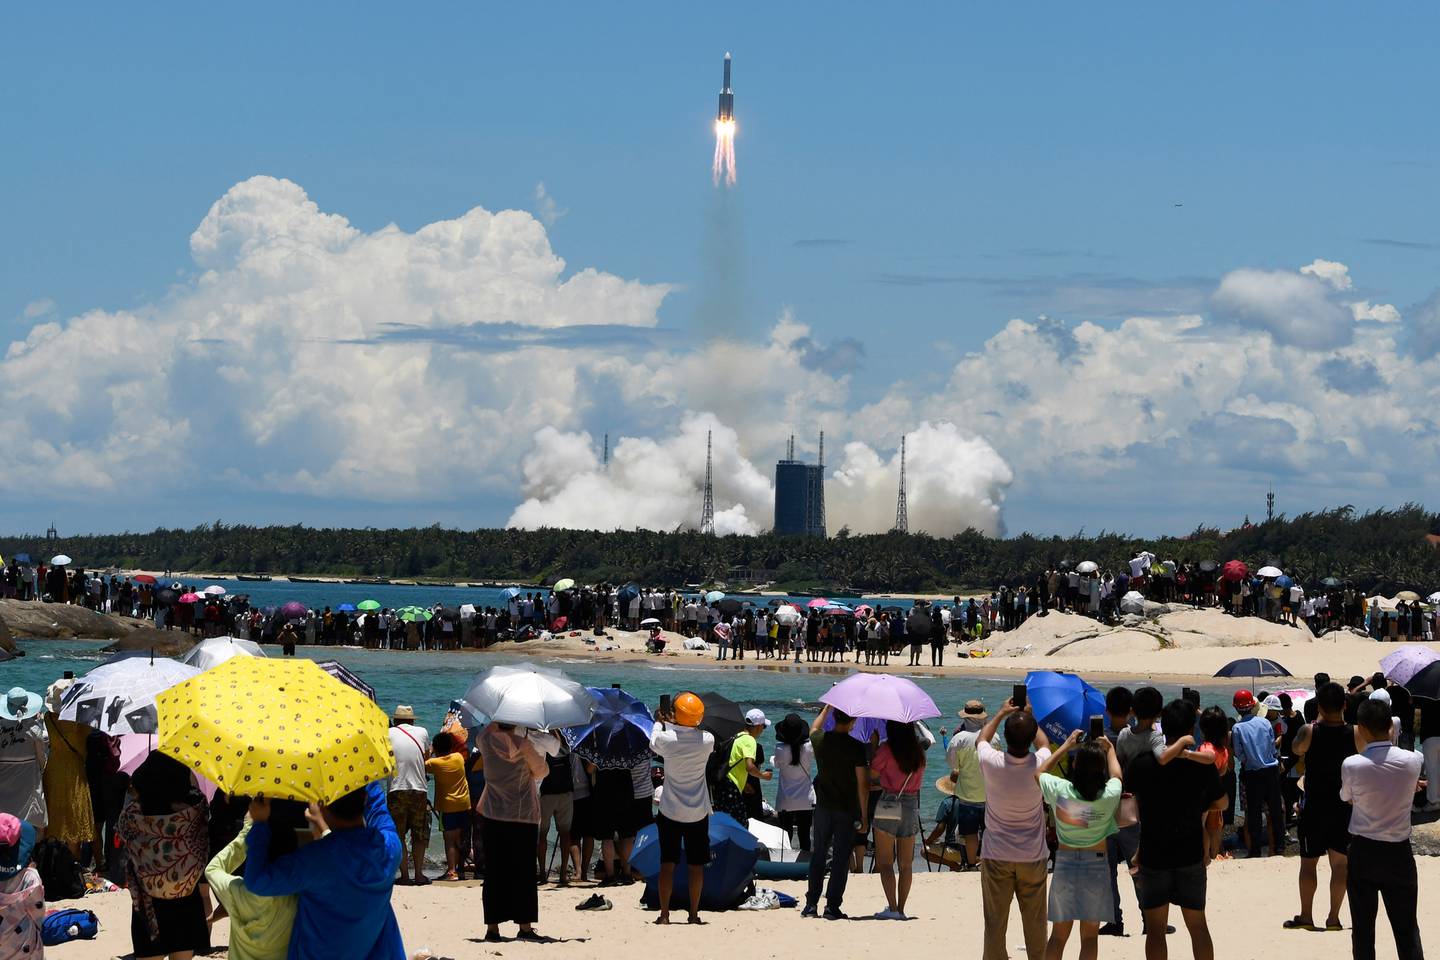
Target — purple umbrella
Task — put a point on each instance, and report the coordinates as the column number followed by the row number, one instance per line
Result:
column 292, row 610
column 882, row 696
column 1407, row 661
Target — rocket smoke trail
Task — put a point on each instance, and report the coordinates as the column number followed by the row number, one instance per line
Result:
column 724, row 162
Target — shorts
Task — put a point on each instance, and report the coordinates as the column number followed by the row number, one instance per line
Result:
column 1324, row 827
column 1182, row 886
column 968, row 817
column 410, row 809
column 693, row 837
column 456, row 820
column 909, row 823
column 1080, row 887
column 560, row 807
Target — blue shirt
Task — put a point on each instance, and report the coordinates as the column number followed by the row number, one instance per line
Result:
column 343, row 880
column 1253, row 740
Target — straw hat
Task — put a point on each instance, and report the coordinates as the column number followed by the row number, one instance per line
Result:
column 946, row 784
column 974, row 710
column 404, row 712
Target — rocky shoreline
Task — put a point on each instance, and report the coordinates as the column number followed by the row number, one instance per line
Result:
column 36, row 620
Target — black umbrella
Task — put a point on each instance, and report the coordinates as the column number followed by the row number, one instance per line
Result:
column 918, row 622
column 1426, row 683
column 449, row 613
column 1253, row 667
column 728, row 605
column 723, row 716
column 165, row 597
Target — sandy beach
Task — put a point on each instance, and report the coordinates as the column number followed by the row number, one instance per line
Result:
column 1248, row 899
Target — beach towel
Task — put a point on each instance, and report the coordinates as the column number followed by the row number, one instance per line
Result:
column 166, row 855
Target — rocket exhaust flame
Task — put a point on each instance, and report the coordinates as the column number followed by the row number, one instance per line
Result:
column 724, row 162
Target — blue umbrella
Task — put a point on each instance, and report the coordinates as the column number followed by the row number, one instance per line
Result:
column 731, row 870
column 510, row 592
column 1284, row 582
column 714, row 596
column 1062, row 702
column 627, row 593
column 22, row 558
column 346, row 608
column 618, row 735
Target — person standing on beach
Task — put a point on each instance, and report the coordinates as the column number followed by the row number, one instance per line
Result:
column 684, row 819
column 510, row 807
column 740, row 766
column 1173, row 799
column 1324, row 819
column 899, row 766
column 1013, row 850
column 1379, row 783
column 969, row 781
column 1253, row 740
column 409, row 802
column 842, row 781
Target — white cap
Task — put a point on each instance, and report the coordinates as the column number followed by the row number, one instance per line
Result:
column 756, row 718
column 1383, row 695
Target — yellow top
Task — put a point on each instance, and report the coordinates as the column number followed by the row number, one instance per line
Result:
column 452, row 791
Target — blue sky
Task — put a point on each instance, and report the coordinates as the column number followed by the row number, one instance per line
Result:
column 911, row 177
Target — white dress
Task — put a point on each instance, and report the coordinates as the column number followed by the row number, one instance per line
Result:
column 796, row 791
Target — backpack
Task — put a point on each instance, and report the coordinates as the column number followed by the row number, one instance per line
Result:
column 717, row 766
column 55, row 929
column 59, row 873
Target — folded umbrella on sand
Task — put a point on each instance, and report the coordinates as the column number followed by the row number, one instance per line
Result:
column 530, row 696
column 276, row 728
column 730, row 872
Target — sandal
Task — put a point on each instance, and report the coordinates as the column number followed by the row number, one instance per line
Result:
column 1295, row 923
column 1333, row 927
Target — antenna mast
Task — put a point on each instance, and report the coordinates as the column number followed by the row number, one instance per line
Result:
column 707, row 510
column 902, row 516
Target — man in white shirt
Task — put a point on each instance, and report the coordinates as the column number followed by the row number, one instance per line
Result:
column 409, row 803
column 1379, row 784
column 684, row 818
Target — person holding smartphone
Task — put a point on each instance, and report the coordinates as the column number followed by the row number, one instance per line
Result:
column 684, row 818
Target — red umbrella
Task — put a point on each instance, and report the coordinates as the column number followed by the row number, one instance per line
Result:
column 1234, row 571
column 144, row 578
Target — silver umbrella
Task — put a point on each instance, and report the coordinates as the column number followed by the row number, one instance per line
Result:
column 119, row 695
column 216, row 650
column 530, row 696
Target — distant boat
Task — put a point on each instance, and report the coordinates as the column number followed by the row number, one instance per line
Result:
column 304, row 579
column 369, row 581
column 253, row 577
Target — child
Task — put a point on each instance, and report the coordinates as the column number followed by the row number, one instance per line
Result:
column 1216, row 752
column 452, row 795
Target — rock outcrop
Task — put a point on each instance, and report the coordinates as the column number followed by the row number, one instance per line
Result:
column 1171, row 625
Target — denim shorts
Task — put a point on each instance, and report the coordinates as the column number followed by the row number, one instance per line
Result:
column 1080, row 887
column 909, row 823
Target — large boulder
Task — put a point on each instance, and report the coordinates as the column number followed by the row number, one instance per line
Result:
column 34, row 620
column 6, row 642
column 164, row 643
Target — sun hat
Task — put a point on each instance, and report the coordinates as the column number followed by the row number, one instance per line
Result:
column 20, row 704
column 756, row 718
column 404, row 711
column 946, row 784
column 689, row 710
column 1272, row 702
column 17, row 840
column 974, row 710
column 1243, row 700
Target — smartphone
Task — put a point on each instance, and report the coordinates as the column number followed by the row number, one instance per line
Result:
column 1017, row 695
column 69, row 674
column 614, row 686
column 1097, row 726
column 664, row 705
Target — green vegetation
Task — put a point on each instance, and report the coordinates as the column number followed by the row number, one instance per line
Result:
column 1385, row 550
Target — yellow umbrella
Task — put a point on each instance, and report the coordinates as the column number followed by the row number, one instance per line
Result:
column 283, row 729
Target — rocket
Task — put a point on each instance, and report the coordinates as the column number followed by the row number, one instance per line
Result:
column 727, row 99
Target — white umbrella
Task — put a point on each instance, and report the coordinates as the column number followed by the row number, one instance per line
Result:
column 530, row 696
column 787, row 615
column 1434, row 597
column 1088, row 566
column 214, row 590
column 60, row 560
column 1133, row 602
column 119, row 695
column 1266, row 573
column 649, row 622
column 216, row 650
column 467, row 608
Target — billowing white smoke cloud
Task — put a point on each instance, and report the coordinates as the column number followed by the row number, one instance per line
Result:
column 953, row 482
column 652, row 485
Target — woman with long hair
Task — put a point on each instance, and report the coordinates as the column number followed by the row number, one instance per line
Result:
column 795, row 769
column 899, row 766
column 1084, row 804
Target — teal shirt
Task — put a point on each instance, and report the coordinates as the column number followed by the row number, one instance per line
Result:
column 1080, row 823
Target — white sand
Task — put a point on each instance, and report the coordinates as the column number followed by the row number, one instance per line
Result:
column 1248, row 900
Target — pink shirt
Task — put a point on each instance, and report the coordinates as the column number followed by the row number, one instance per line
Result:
column 892, row 778
column 513, row 771
column 1014, row 810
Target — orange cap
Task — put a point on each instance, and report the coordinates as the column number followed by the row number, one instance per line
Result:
column 689, row 710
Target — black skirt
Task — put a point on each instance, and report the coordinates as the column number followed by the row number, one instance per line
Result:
column 182, row 927
column 512, row 861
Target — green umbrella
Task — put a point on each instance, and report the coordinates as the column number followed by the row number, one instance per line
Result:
column 412, row 614
column 566, row 584
column 368, row 605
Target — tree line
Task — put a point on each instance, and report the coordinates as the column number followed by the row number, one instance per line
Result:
column 1382, row 550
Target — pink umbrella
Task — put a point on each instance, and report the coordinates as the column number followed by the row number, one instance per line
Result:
column 1404, row 662
column 817, row 603
column 883, row 696
column 190, row 598
column 864, row 610
column 135, row 747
